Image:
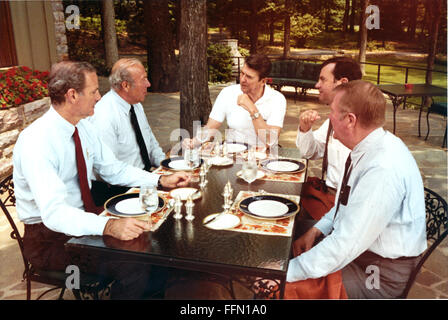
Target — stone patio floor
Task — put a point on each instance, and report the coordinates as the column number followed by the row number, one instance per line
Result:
column 162, row 110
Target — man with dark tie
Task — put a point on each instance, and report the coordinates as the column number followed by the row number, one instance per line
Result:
column 53, row 163
column 121, row 123
column 379, row 217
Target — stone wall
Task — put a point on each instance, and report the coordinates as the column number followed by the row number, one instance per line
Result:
column 12, row 122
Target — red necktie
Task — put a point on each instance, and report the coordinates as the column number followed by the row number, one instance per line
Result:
column 86, row 195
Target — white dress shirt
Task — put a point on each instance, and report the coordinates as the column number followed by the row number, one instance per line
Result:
column 385, row 212
column 46, row 180
column 113, row 123
column 312, row 146
column 271, row 106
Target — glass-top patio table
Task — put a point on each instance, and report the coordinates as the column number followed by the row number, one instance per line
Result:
column 241, row 256
column 398, row 92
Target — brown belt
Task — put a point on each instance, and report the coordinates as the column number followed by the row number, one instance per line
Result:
column 331, row 190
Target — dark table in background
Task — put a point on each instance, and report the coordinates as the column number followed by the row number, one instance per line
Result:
column 192, row 246
column 398, row 93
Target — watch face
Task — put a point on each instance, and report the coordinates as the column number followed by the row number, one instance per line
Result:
column 256, row 115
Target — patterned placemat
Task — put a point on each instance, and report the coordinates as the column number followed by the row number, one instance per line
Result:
column 158, row 218
column 279, row 227
column 298, row 177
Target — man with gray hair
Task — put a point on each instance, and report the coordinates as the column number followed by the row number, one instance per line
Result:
column 122, row 124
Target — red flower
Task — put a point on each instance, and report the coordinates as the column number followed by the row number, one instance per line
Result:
column 18, row 101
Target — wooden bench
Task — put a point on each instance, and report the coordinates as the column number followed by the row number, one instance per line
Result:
column 294, row 73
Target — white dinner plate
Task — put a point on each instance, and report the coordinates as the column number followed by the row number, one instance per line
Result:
column 179, row 165
column 282, row 166
column 236, row 147
column 225, row 221
column 265, row 208
column 221, row 161
column 130, row 206
column 184, row 193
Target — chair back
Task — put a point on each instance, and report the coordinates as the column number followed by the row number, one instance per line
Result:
column 8, row 200
column 436, row 231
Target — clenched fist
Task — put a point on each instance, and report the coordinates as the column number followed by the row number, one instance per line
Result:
column 306, row 120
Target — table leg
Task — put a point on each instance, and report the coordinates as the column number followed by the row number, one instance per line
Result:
column 396, row 103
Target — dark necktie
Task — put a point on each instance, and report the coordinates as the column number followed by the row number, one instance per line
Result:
column 86, row 195
column 140, row 141
column 345, row 189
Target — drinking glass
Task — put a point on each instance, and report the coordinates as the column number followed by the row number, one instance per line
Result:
column 249, row 171
column 202, row 134
column 149, row 199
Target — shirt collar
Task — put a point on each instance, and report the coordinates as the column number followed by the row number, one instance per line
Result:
column 65, row 128
column 366, row 143
column 123, row 104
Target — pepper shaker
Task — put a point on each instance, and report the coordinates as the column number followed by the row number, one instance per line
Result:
column 189, row 206
column 178, row 208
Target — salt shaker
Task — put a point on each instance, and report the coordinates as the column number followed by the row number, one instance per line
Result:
column 203, row 174
column 189, row 206
column 178, row 208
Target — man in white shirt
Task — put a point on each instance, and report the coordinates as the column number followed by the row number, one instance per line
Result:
column 254, row 112
column 311, row 144
column 52, row 183
column 378, row 222
column 113, row 119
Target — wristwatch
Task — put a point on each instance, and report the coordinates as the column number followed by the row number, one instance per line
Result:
column 255, row 115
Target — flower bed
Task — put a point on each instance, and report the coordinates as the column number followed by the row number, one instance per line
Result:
column 19, row 85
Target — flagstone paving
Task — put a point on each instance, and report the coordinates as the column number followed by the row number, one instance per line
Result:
column 162, row 110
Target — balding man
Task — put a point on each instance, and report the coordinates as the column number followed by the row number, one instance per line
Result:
column 379, row 216
column 122, row 124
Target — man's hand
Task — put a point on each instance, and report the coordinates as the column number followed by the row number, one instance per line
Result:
column 306, row 120
column 125, row 228
column 245, row 102
column 178, row 179
column 305, row 242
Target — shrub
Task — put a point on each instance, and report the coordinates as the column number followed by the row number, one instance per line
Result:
column 19, row 85
column 219, row 63
column 304, row 27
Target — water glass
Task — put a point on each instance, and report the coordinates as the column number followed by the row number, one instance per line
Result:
column 250, row 170
column 149, row 199
column 202, row 134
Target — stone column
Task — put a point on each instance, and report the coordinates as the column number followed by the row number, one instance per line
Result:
column 233, row 44
column 59, row 27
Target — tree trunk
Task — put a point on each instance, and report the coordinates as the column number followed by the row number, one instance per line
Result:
column 352, row 17
column 272, row 31
column 110, row 34
column 195, row 101
column 346, row 15
column 287, row 32
column 434, row 8
column 412, row 19
column 163, row 68
column 253, row 27
column 363, row 35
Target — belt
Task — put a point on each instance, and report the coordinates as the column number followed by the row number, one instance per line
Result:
column 373, row 255
column 331, row 190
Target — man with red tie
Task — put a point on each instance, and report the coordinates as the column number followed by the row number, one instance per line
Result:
column 53, row 163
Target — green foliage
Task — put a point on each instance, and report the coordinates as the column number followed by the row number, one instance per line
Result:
column 244, row 52
column 219, row 63
column 304, row 27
